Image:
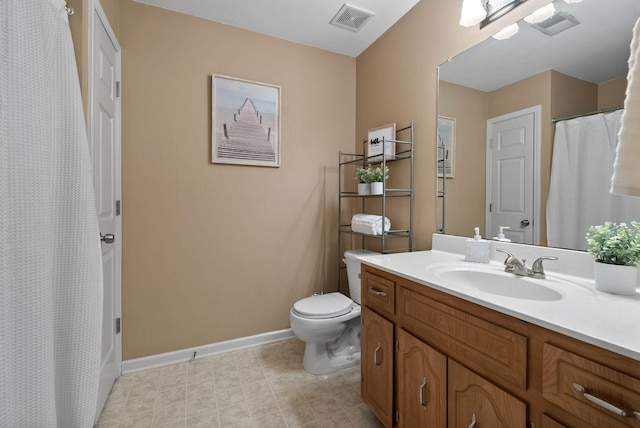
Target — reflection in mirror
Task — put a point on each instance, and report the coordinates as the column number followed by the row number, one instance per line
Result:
column 509, row 91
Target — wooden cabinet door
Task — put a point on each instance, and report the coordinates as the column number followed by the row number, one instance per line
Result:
column 422, row 383
column 476, row 402
column 376, row 343
column 548, row 422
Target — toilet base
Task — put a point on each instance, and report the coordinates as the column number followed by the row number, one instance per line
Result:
column 322, row 358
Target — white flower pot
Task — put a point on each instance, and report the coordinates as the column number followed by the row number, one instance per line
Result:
column 616, row 279
column 364, row 189
column 376, row 188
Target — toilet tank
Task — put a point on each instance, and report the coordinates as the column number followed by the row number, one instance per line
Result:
column 352, row 260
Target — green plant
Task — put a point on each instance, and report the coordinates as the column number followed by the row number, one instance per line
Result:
column 615, row 243
column 364, row 175
column 378, row 176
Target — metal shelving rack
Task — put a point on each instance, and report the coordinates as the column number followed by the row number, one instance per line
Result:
column 404, row 153
column 441, row 191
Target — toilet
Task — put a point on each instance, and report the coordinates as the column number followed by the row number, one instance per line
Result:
column 330, row 323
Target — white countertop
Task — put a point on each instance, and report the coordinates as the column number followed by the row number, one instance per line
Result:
column 602, row 319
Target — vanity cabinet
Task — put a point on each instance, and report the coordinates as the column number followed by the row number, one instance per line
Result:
column 455, row 362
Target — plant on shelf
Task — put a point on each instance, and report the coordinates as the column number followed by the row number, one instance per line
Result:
column 377, row 176
column 615, row 243
column 616, row 248
column 363, row 175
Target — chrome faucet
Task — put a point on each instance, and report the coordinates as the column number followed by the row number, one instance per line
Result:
column 517, row 267
column 513, row 264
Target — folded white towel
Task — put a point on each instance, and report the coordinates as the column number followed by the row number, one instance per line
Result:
column 369, row 224
column 626, row 174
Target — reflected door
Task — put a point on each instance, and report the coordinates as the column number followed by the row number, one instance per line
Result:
column 105, row 152
column 511, row 175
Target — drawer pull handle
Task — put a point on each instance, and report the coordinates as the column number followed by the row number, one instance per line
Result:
column 375, row 355
column 473, row 421
column 424, row 383
column 600, row 402
column 377, row 292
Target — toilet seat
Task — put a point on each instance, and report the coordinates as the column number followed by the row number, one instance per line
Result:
column 329, row 305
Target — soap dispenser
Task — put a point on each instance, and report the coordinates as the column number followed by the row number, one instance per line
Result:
column 477, row 248
column 500, row 236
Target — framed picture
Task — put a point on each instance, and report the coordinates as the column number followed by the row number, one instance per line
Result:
column 374, row 146
column 245, row 124
column 446, row 146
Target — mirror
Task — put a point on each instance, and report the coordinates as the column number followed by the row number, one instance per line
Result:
column 579, row 70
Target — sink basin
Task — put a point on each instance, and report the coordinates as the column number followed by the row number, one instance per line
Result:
column 499, row 283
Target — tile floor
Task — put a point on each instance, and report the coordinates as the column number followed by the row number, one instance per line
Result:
column 264, row 386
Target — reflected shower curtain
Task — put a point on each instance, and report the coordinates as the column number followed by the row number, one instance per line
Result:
column 584, row 150
column 50, row 262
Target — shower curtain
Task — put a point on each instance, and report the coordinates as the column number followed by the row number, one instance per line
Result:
column 584, row 150
column 50, row 261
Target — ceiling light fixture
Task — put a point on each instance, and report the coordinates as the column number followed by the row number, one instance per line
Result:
column 484, row 12
column 541, row 14
column 507, row 32
column 572, row 1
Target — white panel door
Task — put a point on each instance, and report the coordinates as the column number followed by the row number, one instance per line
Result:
column 105, row 152
column 511, row 176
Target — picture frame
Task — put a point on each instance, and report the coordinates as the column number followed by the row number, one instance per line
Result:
column 374, row 149
column 245, row 122
column 446, row 146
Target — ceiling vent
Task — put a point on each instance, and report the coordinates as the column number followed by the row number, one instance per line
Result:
column 556, row 24
column 350, row 18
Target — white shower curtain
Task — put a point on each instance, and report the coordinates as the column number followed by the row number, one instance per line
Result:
column 584, row 150
column 50, row 262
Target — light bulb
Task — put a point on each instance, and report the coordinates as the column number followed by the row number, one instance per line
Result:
column 506, row 32
column 472, row 13
column 498, row 4
column 541, row 14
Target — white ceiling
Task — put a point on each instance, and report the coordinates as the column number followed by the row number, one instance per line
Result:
column 597, row 50
column 300, row 21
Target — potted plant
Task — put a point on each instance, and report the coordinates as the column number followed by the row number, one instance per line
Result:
column 363, row 175
column 616, row 248
column 378, row 176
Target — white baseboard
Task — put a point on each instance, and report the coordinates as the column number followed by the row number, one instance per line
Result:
column 184, row 355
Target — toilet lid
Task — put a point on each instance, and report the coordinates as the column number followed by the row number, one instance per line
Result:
column 324, row 305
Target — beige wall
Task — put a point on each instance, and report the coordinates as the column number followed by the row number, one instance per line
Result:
column 611, row 94
column 397, row 82
column 466, row 192
column 215, row 252
column 571, row 96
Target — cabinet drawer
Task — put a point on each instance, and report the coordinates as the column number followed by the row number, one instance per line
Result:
column 604, row 389
column 378, row 292
column 473, row 341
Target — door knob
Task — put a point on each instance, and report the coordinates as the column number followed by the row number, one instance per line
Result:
column 108, row 238
column 524, row 223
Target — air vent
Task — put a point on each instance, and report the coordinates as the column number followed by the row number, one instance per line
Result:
column 556, row 24
column 350, row 18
